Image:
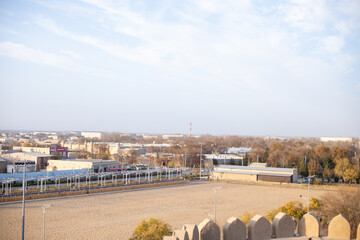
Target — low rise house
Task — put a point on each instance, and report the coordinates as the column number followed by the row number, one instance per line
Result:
column 255, row 172
column 40, row 159
column 96, row 165
column 19, row 167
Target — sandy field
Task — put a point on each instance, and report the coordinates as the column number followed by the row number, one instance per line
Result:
column 114, row 216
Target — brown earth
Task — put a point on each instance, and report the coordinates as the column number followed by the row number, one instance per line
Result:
column 115, row 215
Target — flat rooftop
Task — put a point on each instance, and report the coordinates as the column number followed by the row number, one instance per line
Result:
column 270, row 169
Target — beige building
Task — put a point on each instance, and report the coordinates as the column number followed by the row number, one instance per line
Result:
column 254, row 172
column 40, row 159
column 96, row 165
column 44, row 150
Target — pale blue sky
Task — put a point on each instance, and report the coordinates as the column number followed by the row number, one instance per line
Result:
column 280, row 68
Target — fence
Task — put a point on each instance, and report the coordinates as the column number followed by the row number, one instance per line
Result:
column 259, row 228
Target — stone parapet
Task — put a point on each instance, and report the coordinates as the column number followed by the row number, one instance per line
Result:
column 259, row 228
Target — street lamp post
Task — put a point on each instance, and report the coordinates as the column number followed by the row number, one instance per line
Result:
column 43, row 208
column 200, row 159
column 23, row 204
column 185, row 158
column 215, row 188
column 308, row 199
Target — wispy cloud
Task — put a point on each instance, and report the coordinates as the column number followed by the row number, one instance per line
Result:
column 228, row 45
column 25, row 53
column 333, row 44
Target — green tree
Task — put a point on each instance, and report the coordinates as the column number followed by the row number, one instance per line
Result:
column 152, row 229
column 303, row 168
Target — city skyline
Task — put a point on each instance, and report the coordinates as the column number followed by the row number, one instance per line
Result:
column 247, row 68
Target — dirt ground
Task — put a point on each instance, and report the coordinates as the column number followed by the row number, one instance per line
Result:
column 114, row 216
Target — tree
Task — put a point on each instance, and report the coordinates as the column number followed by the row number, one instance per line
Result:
column 57, row 155
column 152, row 229
column 339, row 152
column 313, row 166
column 303, row 168
column 133, row 158
column 278, row 158
column 350, row 174
column 341, row 165
column 102, row 151
column 322, row 152
column 345, row 202
column 327, row 172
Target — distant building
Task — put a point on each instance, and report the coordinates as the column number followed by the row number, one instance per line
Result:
column 44, row 150
column 63, row 151
column 336, row 139
column 96, row 165
column 92, row 134
column 224, row 159
column 40, row 159
column 19, row 166
column 255, row 172
column 240, row 150
column 173, row 136
column 3, row 164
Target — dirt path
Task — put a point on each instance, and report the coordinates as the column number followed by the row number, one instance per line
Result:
column 114, row 216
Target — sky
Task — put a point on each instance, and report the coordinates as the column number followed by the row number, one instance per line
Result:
column 237, row 67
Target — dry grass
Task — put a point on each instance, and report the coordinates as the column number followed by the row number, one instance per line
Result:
column 114, row 216
column 88, row 191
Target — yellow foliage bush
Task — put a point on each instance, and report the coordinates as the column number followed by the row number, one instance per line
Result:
column 247, row 216
column 152, row 229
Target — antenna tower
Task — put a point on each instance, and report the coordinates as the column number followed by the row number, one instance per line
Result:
column 190, row 129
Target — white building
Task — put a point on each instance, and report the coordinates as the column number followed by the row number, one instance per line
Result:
column 224, row 159
column 92, row 134
column 240, row 150
column 96, row 165
column 255, row 172
column 336, row 139
column 19, row 166
column 40, row 159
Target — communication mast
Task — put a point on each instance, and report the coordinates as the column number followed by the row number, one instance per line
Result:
column 190, row 130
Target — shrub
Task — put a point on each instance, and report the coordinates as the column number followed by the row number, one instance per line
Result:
column 247, row 216
column 294, row 209
column 345, row 202
column 152, row 229
column 270, row 215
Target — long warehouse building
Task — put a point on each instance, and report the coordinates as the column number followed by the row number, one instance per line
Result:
column 255, row 172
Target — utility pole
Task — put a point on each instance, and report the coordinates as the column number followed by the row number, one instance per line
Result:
column 23, row 204
column 200, row 159
column 43, row 208
column 185, row 158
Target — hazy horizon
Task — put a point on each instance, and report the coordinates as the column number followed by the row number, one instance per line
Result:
column 169, row 133
column 247, row 68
